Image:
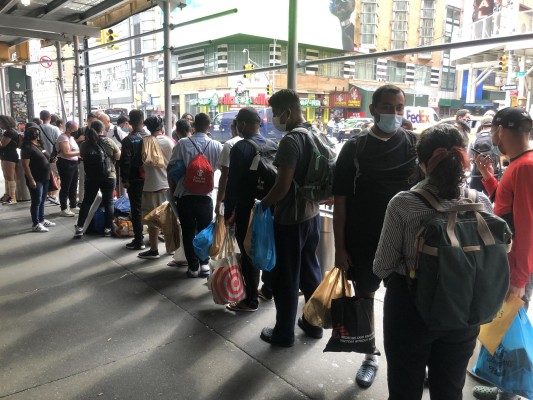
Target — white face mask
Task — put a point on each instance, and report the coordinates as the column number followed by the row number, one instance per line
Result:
column 125, row 129
column 278, row 125
column 389, row 123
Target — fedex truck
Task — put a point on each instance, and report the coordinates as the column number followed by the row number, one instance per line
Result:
column 421, row 117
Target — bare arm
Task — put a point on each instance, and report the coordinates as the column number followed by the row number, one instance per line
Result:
column 222, row 182
column 342, row 258
column 64, row 148
column 281, row 186
column 5, row 141
column 27, row 171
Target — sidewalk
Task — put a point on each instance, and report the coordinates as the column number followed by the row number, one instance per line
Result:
column 87, row 319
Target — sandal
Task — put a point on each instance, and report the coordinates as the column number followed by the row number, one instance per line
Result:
column 241, row 307
column 175, row 263
column 485, row 392
column 366, row 374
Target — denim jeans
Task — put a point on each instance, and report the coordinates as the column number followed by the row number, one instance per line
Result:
column 68, row 172
column 107, row 187
column 38, row 198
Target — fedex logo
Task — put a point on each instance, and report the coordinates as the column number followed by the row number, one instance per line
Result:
column 418, row 118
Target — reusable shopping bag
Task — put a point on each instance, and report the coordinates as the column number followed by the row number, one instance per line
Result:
column 317, row 311
column 154, row 216
column 491, row 334
column 511, row 367
column 170, row 228
column 263, row 244
column 218, row 236
column 151, row 154
column 202, row 242
column 225, row 281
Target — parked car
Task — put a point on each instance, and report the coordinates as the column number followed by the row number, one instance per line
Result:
column 353, row 125
column 221, row 125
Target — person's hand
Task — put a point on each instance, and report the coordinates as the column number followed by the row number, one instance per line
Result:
column 125, row 185
column 484, row 165
column 516, row 291
column 230, row 220
column 33, row 184
column 342, row 259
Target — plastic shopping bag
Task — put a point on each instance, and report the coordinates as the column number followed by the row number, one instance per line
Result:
column 511, row 366
column 317, row 311
column 263, row 243
column 202, row 242
column 491, row 334
column 171, row 229
column 225, row 281
column 154, row 216
column 218, row 236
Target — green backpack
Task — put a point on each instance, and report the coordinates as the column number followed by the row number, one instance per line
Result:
column 461, row 276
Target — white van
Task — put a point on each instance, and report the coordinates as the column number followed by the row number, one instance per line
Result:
column 421, row 117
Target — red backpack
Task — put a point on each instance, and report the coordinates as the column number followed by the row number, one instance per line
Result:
column 199, row 176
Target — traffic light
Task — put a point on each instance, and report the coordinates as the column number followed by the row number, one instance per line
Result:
column 109, row 38
column 503, row 63
column 248, row 67
column 269, row 89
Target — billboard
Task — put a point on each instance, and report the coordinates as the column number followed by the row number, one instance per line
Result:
column 323, row 23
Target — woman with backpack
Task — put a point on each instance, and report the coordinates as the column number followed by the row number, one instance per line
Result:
column 9, row 156
column 98, row 153
column 410, row 344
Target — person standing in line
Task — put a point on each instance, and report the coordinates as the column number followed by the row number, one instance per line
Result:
column 98, row 178
column 49, row 136
column 155, row 183
column 463, row 123
column 370, row 170
column 133, row 177
column 117, row 134
column 80, row 138
column 483, row 143
column 9, row 156
column 195, row 210
column 513, row 201
column 67, row 165
column 35, row 161
column 223, row 165
column 296, row 223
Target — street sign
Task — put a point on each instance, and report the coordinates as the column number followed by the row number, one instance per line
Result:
column 520, row 74
column 46, row 62
column 508, row 87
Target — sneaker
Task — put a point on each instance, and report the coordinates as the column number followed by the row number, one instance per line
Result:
column 191, row 273
column 39, row 228
column 66, row 213
column 75, row 210
column 204, row 271
column 149, row 255
column 134, row 245
column 108, row 232
column 53, row 200
column 9, row 201
column 4, row 197
column 48, row 224
column 78, row 231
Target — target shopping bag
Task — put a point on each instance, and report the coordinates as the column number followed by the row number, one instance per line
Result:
column 226, row 281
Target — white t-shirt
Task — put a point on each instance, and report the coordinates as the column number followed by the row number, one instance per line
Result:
column 223, row 159
column 155, row 179
column 120, row 133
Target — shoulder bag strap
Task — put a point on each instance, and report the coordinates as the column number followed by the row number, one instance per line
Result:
column 196, row 146
column 46, row 136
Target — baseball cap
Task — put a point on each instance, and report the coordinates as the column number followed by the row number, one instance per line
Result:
column 31, row 125
column 511, row 117
column 122, row 119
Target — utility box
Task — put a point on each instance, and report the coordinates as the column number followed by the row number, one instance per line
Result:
column 4, row 52
column 20, row 52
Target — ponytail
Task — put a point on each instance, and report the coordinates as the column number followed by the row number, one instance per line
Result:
column 91, row 136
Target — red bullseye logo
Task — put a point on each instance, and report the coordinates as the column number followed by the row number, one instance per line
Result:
column 227, row 284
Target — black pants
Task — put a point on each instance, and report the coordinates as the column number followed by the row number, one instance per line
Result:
column 135, row 194
column 196, row 213
column 296, row 268
column 410, row 346
column 68, row 172
column 106, row 186
column 250, row 274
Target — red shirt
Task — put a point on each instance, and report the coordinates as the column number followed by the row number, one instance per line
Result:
column 515, row 195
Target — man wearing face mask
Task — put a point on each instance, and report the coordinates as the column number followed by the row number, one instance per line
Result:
column 296, row 223
column 462, row 123
column 370, row 170
column 513, row 201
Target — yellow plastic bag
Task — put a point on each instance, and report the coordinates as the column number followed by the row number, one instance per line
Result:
column 317, row 311
column 218, row 236
column 491, row 334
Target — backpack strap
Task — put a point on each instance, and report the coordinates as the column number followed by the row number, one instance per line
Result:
column 196, row 146
column 116, row 135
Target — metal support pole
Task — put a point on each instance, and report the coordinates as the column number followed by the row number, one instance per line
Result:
column 78, row 78
column 3, row 103
column 292, row 48
column 88, row 102
column 61, row 87
column 166, row 67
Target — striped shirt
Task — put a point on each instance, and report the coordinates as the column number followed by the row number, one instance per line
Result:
column 405, row 213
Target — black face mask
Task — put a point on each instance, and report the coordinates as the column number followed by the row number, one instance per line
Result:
column 34, row 135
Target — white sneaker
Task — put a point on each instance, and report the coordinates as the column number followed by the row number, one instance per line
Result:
column 47, row 223
column 78, row 231
column 39, row 228
column 204, row 270
column 66, row 213
column 75, row 210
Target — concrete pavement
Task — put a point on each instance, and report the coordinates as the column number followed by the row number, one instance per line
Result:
column 87, row 319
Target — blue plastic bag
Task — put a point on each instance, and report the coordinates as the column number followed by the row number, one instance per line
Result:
column 97, row 224
column 122, row 207
column 263, row 244
column 177, row 170
column 202, row 242
column 511, row 367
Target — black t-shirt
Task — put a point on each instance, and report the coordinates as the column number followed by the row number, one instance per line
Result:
column 39, row 164
column 384, row 169
column 9, row 153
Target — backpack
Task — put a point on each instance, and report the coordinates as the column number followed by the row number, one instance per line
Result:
column 151, row 154
column 97, row 163
column 461, row 276
column 199, row 175
column 318, row 182
column 483, row 144
column 263, row 163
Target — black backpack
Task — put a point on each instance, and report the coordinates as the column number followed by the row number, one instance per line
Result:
column 483, row 144
column 263, row 163
column 97, row 163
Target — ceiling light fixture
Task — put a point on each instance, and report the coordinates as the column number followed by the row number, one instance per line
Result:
column 25, row 2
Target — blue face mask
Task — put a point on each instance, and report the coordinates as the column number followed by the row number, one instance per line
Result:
column 125, row 129
column 389, row 123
